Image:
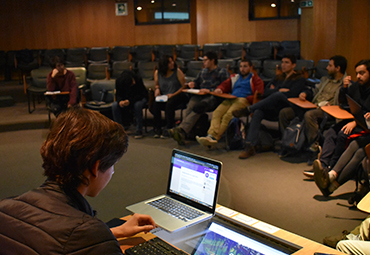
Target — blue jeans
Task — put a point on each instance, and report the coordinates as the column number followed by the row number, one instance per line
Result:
column 122, row 115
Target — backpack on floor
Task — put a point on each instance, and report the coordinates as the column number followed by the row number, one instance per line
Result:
column 235, row 134
column 293, row 137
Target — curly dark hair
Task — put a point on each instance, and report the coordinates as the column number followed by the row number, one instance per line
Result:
column 163, row 64
column 77, row 140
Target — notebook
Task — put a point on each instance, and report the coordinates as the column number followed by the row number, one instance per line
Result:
column 358, row 113
column 193, row 182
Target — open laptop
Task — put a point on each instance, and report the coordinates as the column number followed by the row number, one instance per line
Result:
column 193, row 182
column 358, row 113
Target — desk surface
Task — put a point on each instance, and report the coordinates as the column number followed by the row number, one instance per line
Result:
column 196, row 92
column 337, row 112
column 308, row 246
column 303, row 104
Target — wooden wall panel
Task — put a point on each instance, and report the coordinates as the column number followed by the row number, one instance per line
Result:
column 353, row 35
column 221, row 21
column 324, row 25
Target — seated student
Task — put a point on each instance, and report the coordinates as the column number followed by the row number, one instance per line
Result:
column 358, row 240
column 131, row 98
column 242, row 86
column 79, row 155
column 345, row 169
column 335, row 139
column 276, row 93
column 325, row 93
column 207, row 80
column 169, row 81
column 61, row 79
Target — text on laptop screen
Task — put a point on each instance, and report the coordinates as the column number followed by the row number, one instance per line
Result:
column 194, row 179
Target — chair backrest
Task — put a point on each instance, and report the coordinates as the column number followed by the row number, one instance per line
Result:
column 269, row 68
column 98, row 55
column 290, row 47
column 146, row 69
column 320, row 69
column 119, row 66
column 193, row 68
column 307, row 64
column 187, row 52
column 228, row 64
column 39, row 77
column 48, row 55
column 143, row 53
column 103, row 90
column 120, row 53
column 233, row 50
column 76, row 57
column 168, row 49
column 216, row 47
column 259, row 50
column 97, row 71
column 80, row 73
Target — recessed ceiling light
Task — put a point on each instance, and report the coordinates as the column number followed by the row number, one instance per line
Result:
column 139, row 8
column 152, row 1
column 273, row 5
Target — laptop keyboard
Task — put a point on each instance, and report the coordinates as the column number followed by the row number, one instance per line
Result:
column 155, row 246
column 176, row 209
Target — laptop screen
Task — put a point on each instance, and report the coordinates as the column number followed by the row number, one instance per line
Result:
column 227, row 241
column 194, row 178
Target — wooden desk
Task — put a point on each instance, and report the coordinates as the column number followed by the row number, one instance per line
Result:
column 303, row 104
column 308, row 246
column 337, row 112
column 196, row 92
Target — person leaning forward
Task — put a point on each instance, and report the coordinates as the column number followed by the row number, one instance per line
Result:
column 207, row 81
column 78, row 155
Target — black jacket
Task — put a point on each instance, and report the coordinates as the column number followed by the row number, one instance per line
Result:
column 52, row 220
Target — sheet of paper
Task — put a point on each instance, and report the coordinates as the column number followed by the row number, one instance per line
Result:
column 266, row 227
column 162, row 98
column 245, row 219
column 226, row 211
column 52, row 92
column 193, row 91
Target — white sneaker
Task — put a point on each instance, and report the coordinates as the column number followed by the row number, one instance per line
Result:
column 206, row 141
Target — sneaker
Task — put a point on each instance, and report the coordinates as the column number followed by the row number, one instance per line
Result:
column 178, row 135
column 321, row 177
column 332, row 241
column 138, row 134
column 157, row 133
column 206, row 141
column 248, row 152
column 308, row 173
column 165, row 134
column 241, row 112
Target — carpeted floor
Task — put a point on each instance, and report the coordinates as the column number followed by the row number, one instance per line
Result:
column 264, row 186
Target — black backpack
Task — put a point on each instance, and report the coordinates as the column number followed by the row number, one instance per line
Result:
column 235, row 134
column 293, row 137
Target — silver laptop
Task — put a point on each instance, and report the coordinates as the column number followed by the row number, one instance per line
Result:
column 191, row 196
column 358, row 113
